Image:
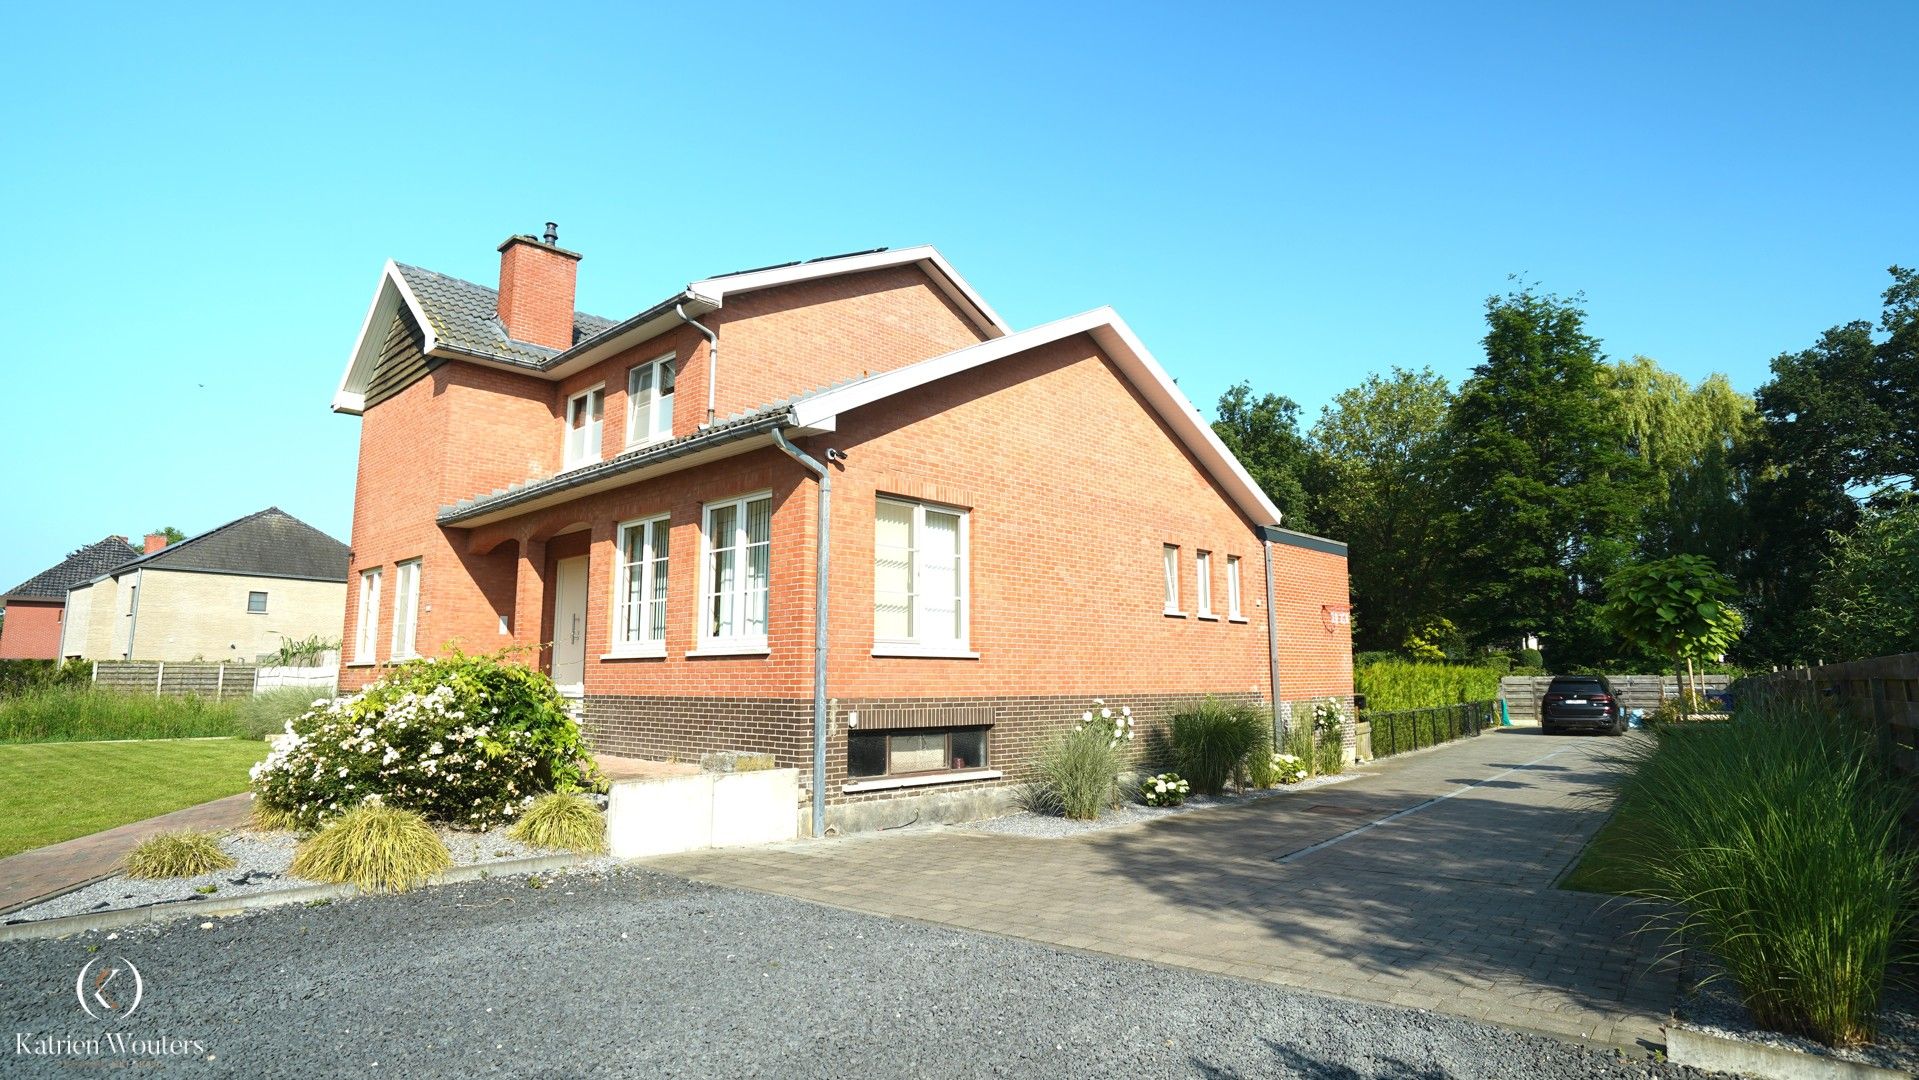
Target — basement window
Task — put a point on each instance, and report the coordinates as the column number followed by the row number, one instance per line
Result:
column 257, row 603
column 914, row 753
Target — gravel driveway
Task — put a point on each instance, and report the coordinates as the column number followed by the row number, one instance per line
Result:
column 631, row 973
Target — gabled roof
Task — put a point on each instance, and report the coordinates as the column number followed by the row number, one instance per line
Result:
column 819, row 411
column 460, row 320
column 270, row 543
column 88, row 562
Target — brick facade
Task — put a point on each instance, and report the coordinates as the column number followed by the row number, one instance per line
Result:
column 1072, row 484
column 32, row 630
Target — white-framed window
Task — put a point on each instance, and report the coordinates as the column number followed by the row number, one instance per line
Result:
column 1203, row 583
column 649, row 401
column 256, row 603
column 639, row 586
column 584, row 417
column 406, row 608
column 366, row 631
column 919, row 576
column 737, row 535
column 1169, row 554
column 1232, row 588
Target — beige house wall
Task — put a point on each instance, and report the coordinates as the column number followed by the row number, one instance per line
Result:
column 189, row 616
column 76, row 623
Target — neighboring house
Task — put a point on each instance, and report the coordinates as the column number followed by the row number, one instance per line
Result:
column 1019, row 521
column 230, row 593
column 36, row 608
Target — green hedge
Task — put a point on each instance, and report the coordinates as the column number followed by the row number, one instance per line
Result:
column 1392, row 685
column 20, row 676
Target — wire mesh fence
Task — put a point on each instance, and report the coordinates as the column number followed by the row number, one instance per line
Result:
column 1414, row 729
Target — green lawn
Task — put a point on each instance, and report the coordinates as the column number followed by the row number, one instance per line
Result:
column 1609, row 865
column 56, row 791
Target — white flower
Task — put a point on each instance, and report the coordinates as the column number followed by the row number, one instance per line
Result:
column 1106, row 714
column 1086, row 717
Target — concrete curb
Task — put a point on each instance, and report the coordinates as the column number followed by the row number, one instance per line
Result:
column 151, row 913
column 1712, row 1052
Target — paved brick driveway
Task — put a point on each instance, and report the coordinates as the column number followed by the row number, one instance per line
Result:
column 1450, row 907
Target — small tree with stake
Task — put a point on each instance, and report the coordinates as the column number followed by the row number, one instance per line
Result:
column 1676, row 607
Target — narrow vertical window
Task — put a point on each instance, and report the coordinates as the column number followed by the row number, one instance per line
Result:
column 1203, row 572
column 649, row 402
column 736, row 576
column 406, row 609
column 1170, row 554
column 1232, row 588
column 639, row 586
column 365, row 640
column 919, row 576
column 584, row 417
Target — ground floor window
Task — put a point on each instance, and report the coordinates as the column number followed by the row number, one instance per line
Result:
column 906, row 753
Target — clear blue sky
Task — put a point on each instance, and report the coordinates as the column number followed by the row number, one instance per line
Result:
column 1293, row 195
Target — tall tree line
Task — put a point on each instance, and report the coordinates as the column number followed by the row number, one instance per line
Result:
column 1482, row 515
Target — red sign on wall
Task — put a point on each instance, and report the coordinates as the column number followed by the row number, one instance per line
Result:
column 1337, row 616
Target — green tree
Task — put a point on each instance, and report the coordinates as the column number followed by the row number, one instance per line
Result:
column 1690, row 439
column 172, row 534
column 1379, row 453
column 1263, row 433
column 1548, row 500
column 1866, row 599
column 1678, row 607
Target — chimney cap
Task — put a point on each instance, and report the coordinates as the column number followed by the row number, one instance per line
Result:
column 534, row 241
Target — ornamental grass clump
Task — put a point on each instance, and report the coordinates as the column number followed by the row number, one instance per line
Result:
column 1777, row 837
column 1166, row 789
column 563, row 821
column 1077, row 774
column 469, row 741
column 1213, row 740
column 378, row 848
column 182, row 854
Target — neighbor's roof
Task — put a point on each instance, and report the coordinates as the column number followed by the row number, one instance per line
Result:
column 270, row 543
column 459, row 318
column 88, row 562
column 819, row 411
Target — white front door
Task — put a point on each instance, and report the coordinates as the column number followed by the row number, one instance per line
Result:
column 569, row 625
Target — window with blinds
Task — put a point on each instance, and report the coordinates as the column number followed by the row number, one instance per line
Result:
column 919, row 575
column 639, row 586
column 738, row 535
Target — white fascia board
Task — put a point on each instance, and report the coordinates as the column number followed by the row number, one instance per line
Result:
column 949, row 280
column 388, row 295
column 1127, row 352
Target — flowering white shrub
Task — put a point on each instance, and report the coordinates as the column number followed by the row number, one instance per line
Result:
column 467, row 740
column 1328, row 715
column 1289, row 768
column 1118, row 726
column 1166, row 789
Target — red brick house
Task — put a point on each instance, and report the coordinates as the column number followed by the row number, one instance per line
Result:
column 840, row 496
column 36, row 608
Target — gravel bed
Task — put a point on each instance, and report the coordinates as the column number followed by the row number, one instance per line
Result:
column 261, row 859
column 1715, row 1007
column 629, row 973
column 1047, row 826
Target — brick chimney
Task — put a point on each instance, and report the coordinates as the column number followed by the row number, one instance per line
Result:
column 536, row 289
column 155, row 541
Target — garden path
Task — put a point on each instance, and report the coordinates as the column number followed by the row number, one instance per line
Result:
column 32, row 876
column 1429, row 883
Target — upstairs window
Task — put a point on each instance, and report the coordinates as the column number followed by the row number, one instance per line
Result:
column 738, row 535
column 649, row 402
column 919, row 576
column 584, row 413
column 257, row 603
column 1232, row 588
column 639, row 583
column 1203, row 586
column 1169, row 555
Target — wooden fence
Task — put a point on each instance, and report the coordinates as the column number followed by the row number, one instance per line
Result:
column 1883, row 692
column 217, row 681
column 1645, row 692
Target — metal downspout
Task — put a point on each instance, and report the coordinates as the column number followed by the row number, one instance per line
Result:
column 712, row 358
column 1272, row 640
column 820, row 580
column 133, row 613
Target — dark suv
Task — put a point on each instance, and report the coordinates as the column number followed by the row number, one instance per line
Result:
column 1581, row 703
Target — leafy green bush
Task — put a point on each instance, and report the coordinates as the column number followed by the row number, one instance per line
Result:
column 1213, row 741
column 1077, row 774
column 301, row 652
column 263, row 716
column 185, row 853
column 19, row 676
column 465, row 740
column 56, row 713
column 376, row 847
column 563, row 821
column 1418, row 684
column 1531, row 658
column 1778, row 837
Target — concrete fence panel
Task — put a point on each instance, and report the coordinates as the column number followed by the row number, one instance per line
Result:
column 1644, row 692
